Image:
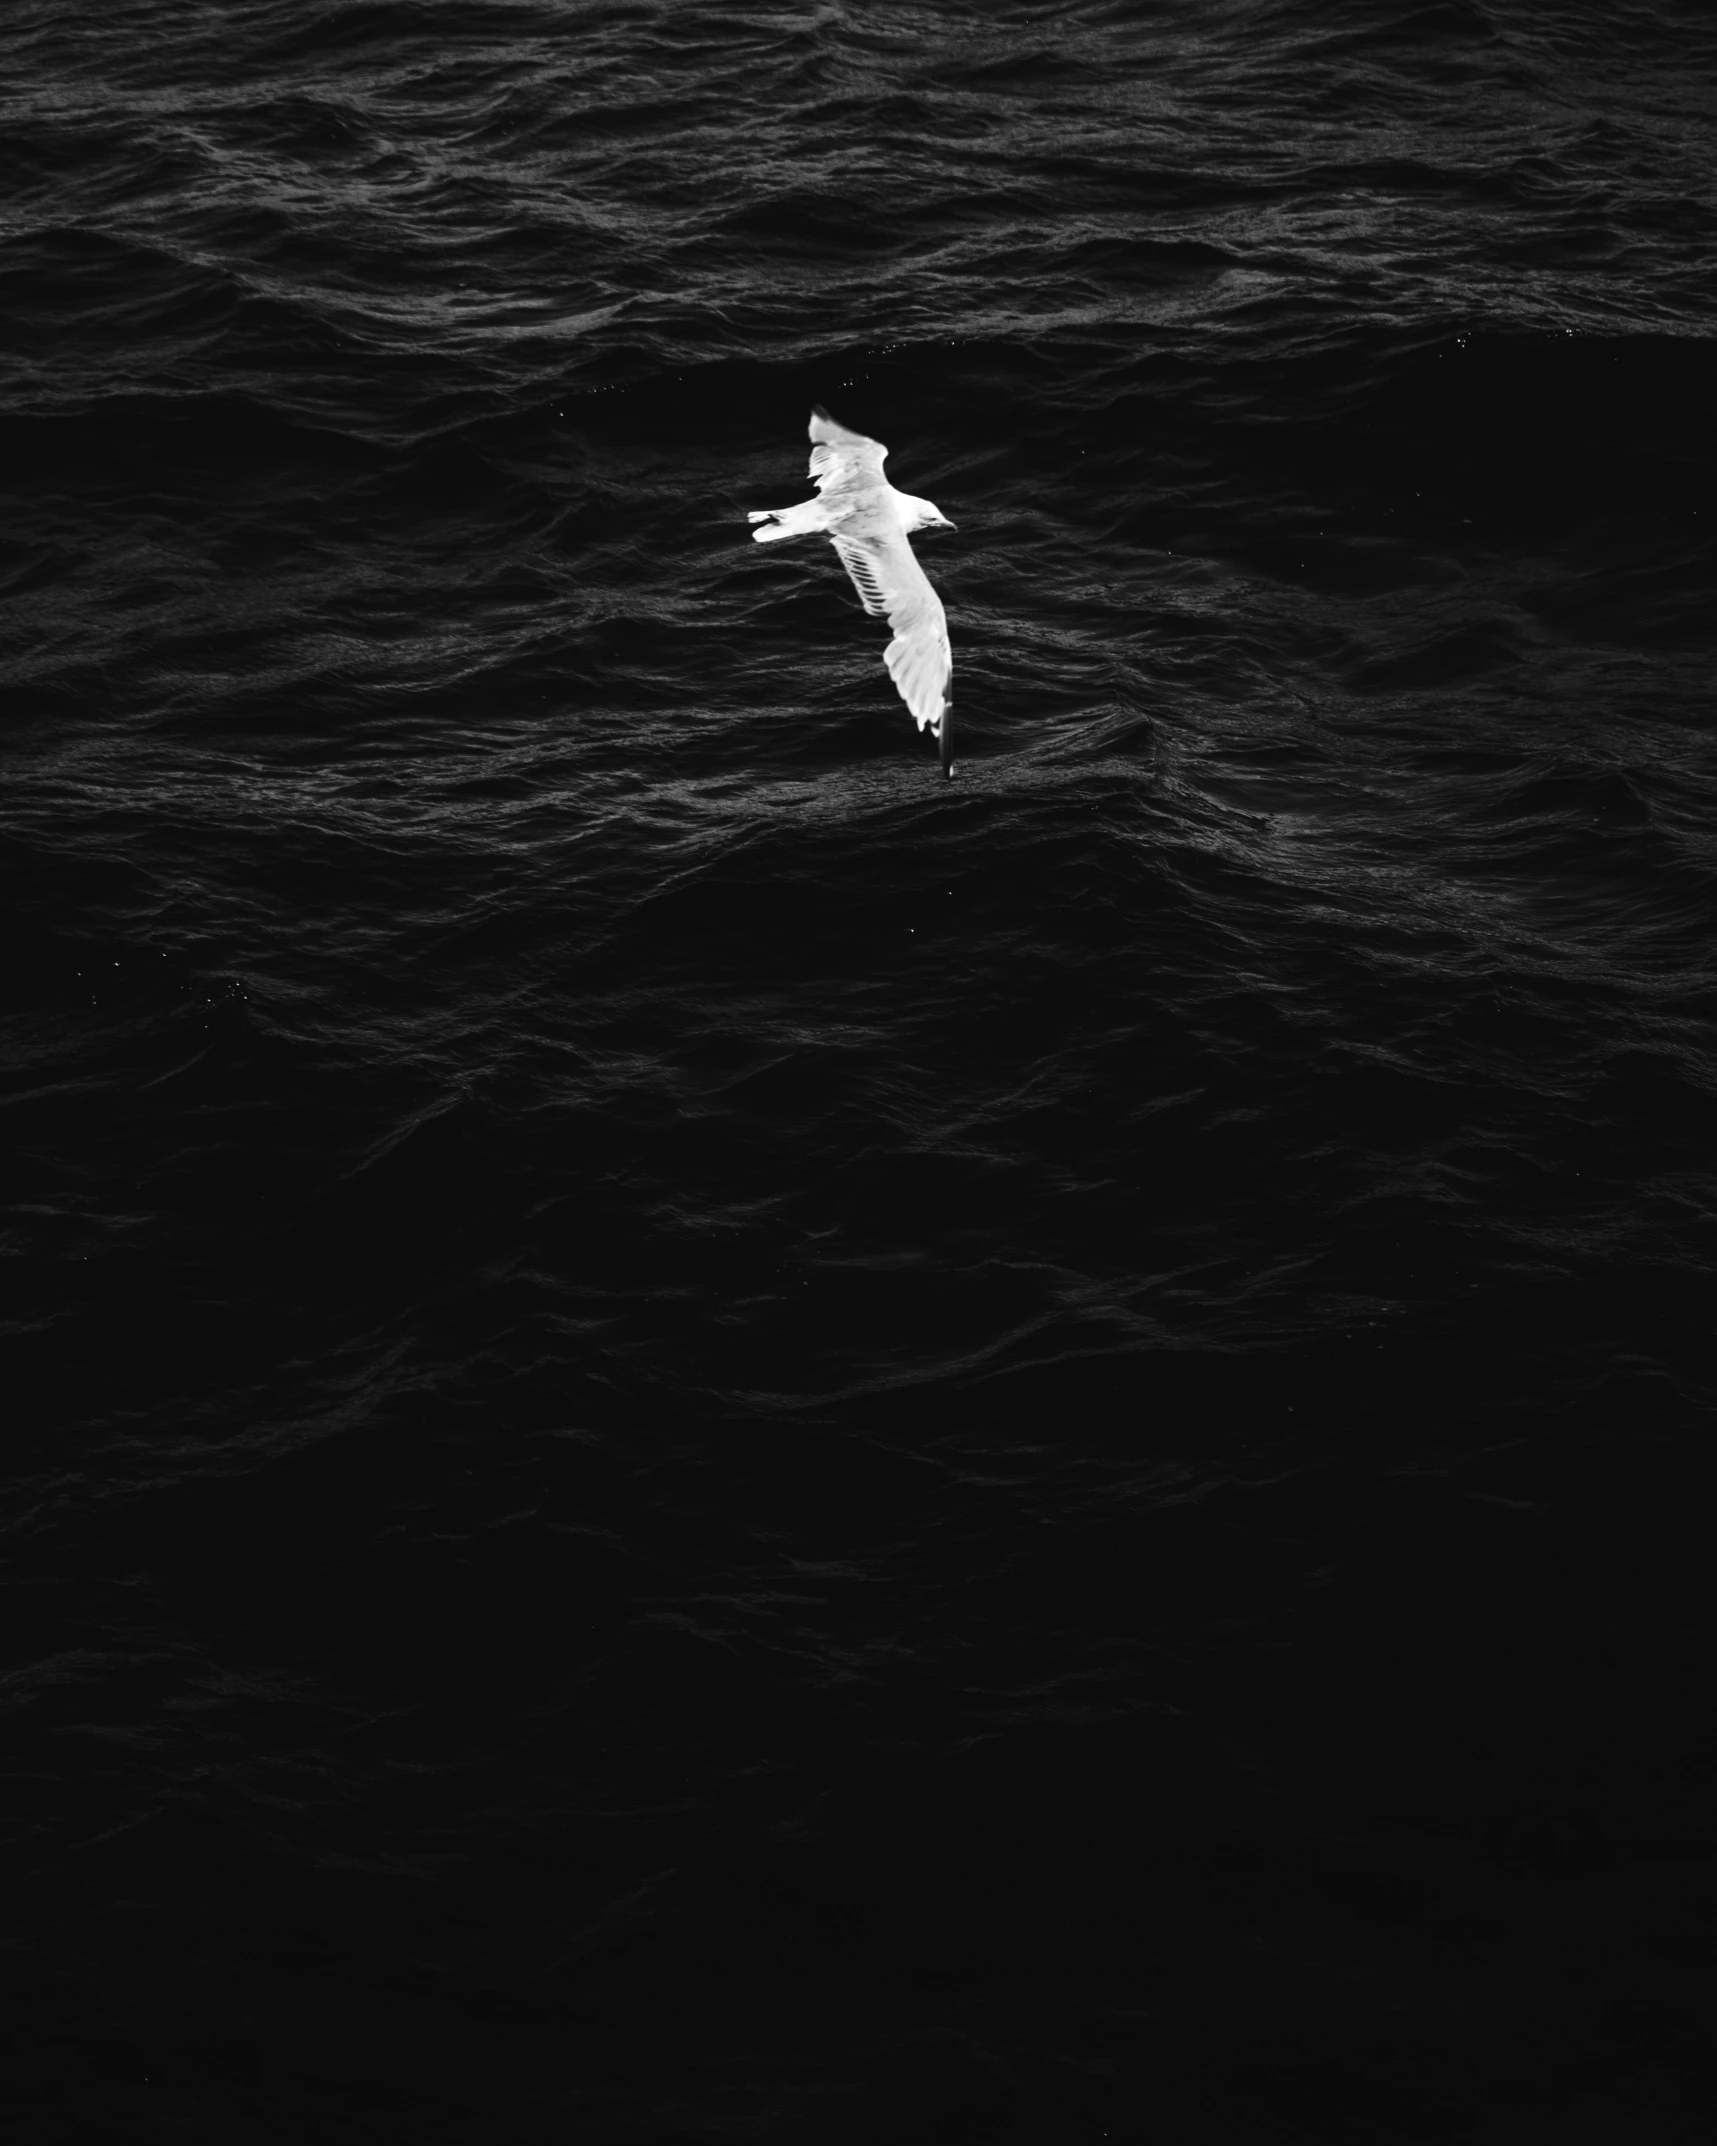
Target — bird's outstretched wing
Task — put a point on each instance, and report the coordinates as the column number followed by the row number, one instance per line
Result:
column 843, row 461
column 892, row 585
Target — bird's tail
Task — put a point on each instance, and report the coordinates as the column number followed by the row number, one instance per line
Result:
column 945, row 738
column 778, row 522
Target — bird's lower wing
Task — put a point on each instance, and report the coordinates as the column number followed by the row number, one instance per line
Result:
column 892, row 585
column 864, row 563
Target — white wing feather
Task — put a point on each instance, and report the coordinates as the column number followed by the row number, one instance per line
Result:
column 843, row 461
column 892, row 585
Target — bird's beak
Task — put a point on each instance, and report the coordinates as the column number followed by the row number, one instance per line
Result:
column 944, row 523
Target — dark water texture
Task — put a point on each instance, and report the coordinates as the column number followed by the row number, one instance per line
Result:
column 722, row 1444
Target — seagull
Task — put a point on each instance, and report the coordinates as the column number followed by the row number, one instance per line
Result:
column 868, row 522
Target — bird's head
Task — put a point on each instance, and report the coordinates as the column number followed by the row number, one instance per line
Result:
column 927, row 516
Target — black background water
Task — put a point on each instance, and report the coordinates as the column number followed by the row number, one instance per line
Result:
column 724, row 1444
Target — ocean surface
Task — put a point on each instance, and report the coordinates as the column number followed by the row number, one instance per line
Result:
column 713, row 1442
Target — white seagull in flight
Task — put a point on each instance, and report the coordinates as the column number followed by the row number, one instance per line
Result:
column 868, row 522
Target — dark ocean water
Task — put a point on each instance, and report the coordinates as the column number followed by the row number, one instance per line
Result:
column 719, row 1443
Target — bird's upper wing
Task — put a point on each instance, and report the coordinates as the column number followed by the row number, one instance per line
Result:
column 841, row 460
column 894, row 586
